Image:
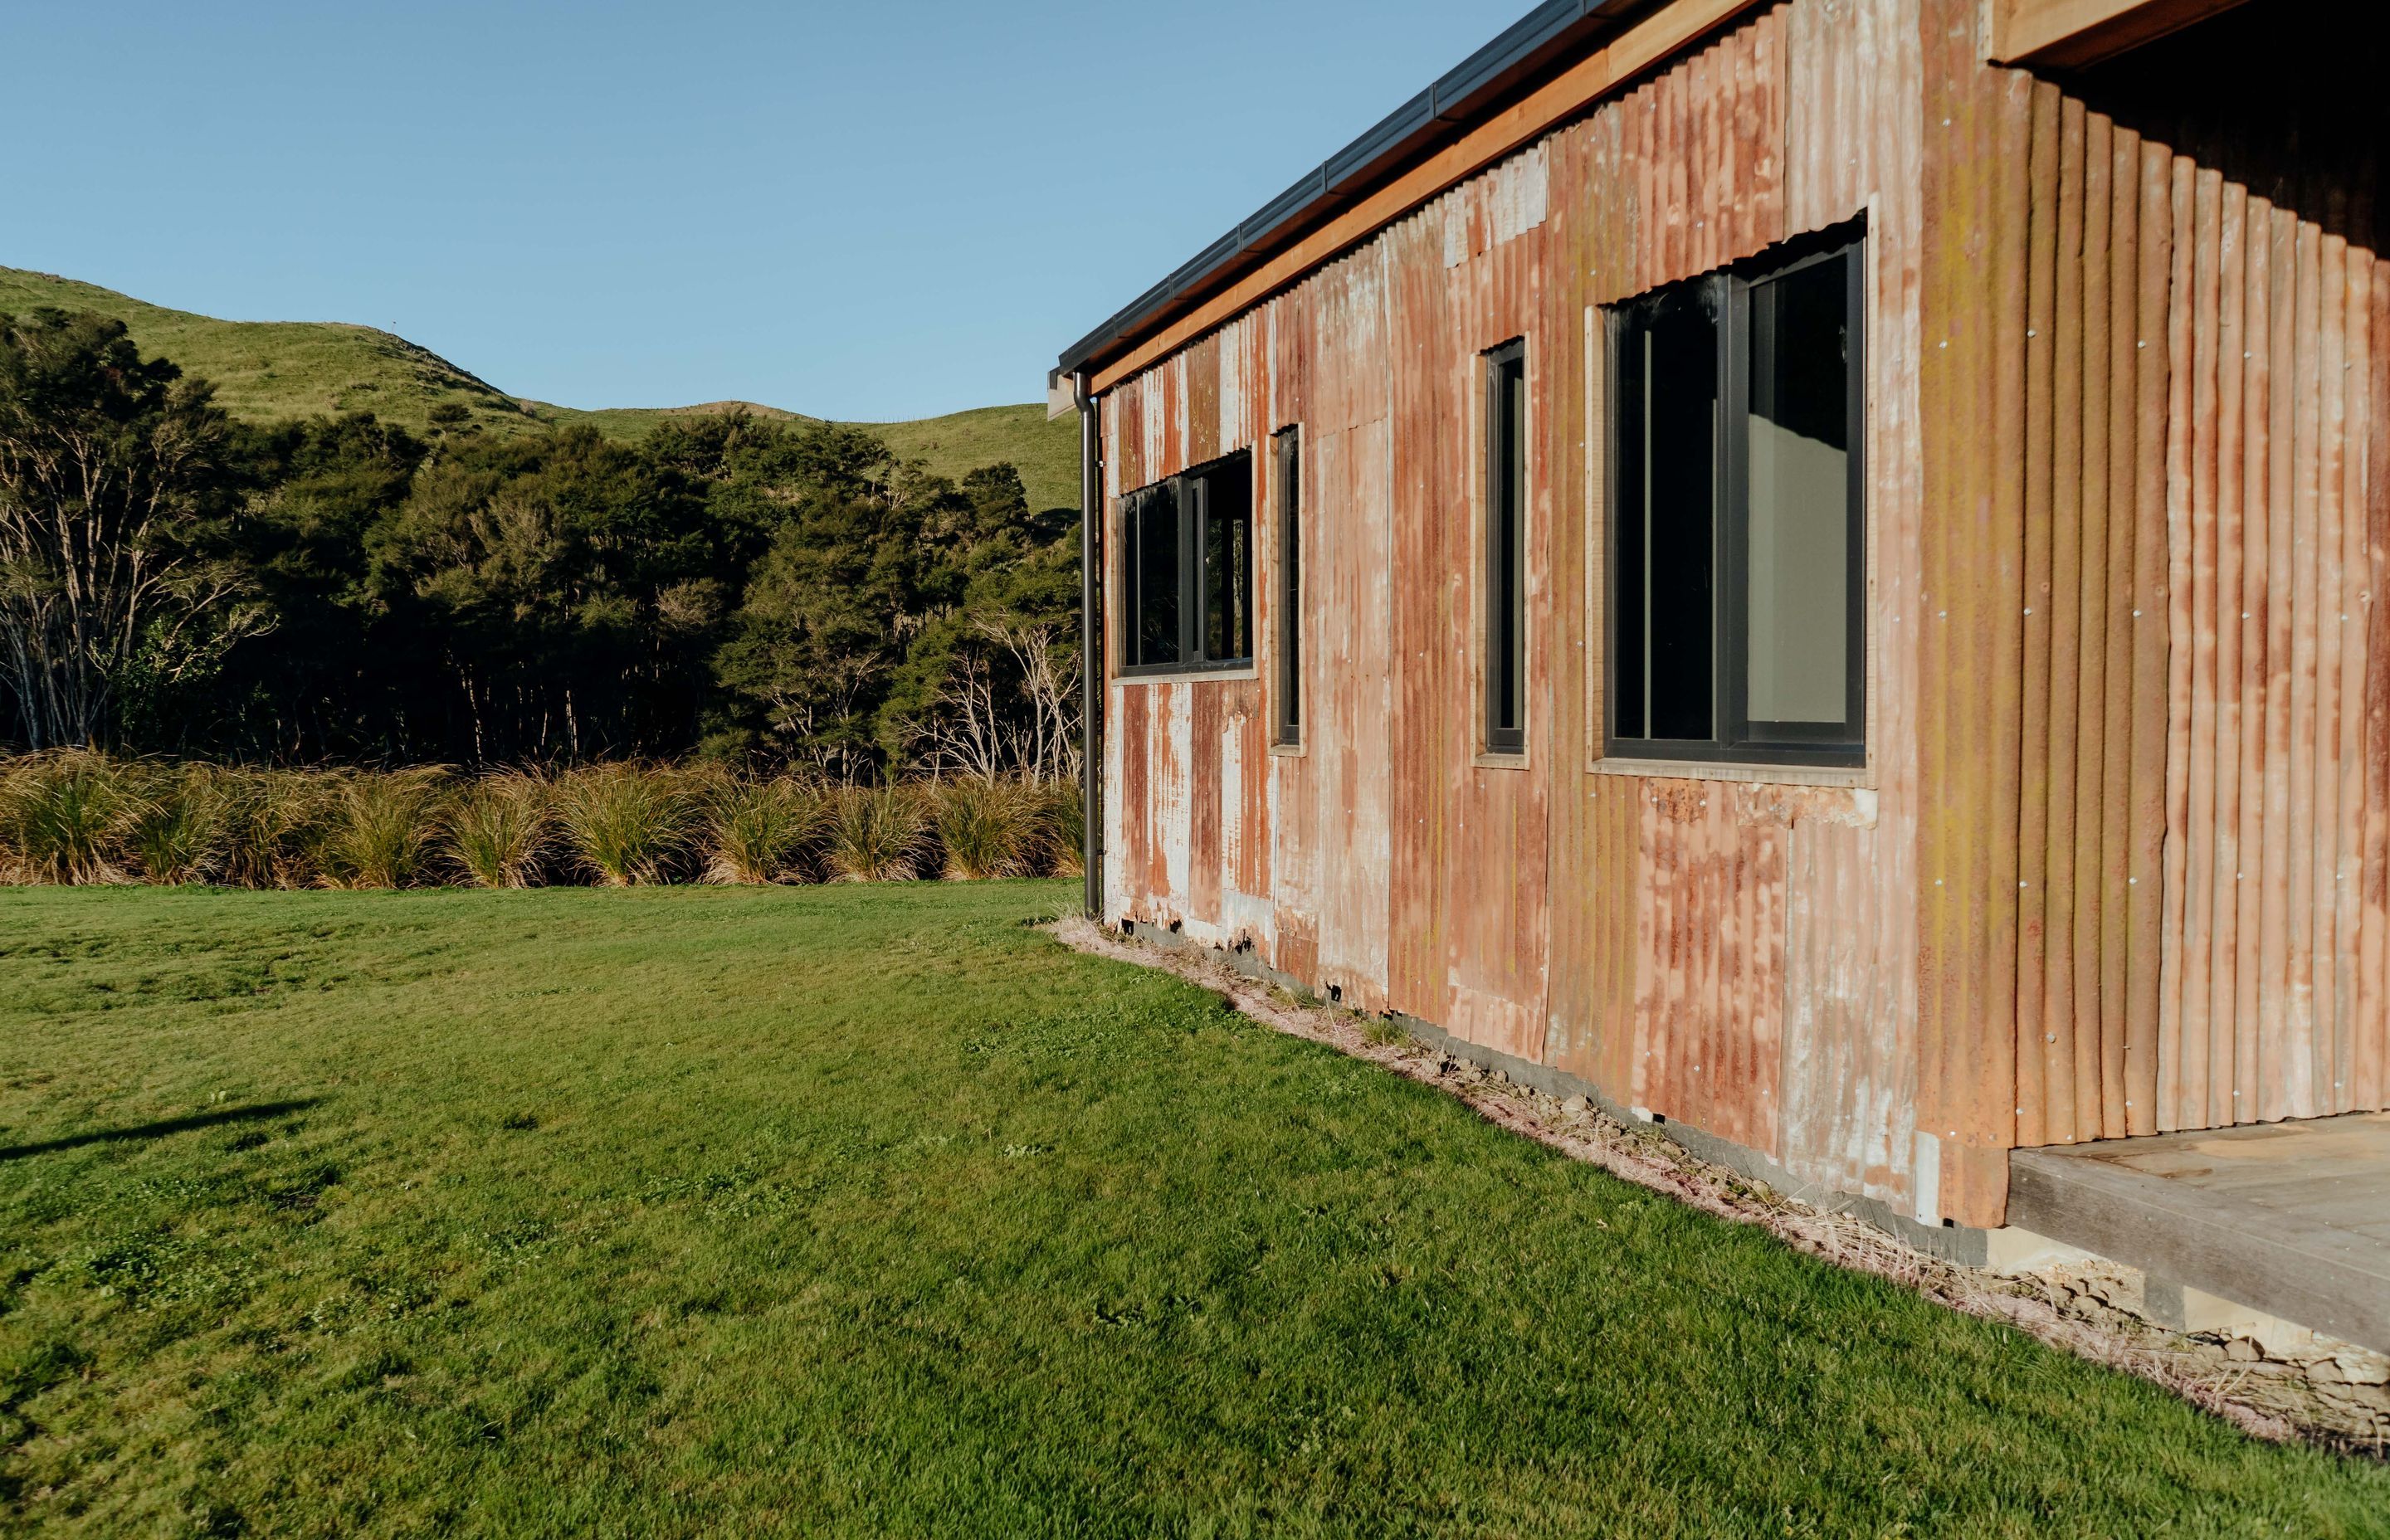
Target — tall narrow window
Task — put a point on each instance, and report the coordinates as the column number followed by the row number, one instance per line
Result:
column 1736, row 627
column 1224, row 518
column 1151, row 576
column 1505, row 549
column 1186, row 570
column 1288, row 601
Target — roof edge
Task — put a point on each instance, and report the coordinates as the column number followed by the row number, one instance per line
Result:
column 1461, row 98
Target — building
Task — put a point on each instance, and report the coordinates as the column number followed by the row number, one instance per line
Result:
column 1812, row 568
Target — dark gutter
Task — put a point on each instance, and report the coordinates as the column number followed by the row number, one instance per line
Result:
column 1526, row 49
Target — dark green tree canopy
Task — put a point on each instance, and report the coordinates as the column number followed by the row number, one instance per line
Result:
column 789, row 591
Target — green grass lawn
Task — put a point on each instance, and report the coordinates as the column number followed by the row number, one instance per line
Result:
column 873, row 1210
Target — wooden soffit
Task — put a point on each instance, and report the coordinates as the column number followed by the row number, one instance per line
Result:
column 2068, row 34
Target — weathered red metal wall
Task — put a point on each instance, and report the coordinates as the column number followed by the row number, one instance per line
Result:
column 2105, row 871
column 2156, row 863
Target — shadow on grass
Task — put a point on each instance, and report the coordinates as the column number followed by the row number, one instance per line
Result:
column 158, row 1130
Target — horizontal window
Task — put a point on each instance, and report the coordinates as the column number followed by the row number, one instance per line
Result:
column 1736, row 630
column 1186, row 570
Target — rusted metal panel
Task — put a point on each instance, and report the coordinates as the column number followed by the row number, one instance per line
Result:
column 1205, row 792
column 2369, row 1054
column 2035, row 460
column 2330, row 625
column 2051, row 1037
column 2193, row 629
column 2355, row 995
column 2146, row 811
column 2231, row 627
column 2116, row 608
column 1845, row 1107
column 1430, row 537
column 1710, row 977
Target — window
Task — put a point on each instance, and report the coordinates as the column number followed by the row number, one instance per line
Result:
column 1290, row 586
column 1186, row 570
column 1505, row 549
column 1737, row 569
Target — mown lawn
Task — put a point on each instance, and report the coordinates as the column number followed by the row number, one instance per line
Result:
column 872, row 1210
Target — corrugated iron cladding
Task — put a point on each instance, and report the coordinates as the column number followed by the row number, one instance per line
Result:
column 2121, row 858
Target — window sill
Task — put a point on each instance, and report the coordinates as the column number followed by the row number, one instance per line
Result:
column 1710, row 770
column 1289, row 750
column 1486, row 759
column 1186, row 675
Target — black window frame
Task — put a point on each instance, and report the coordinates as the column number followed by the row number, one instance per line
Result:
column 1733, row 738
column 1189, row 495
column 1502, row 674
column 1286, row 593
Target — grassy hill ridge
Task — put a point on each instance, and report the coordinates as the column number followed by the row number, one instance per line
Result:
column 266, row 370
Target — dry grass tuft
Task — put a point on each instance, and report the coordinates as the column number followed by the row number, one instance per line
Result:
column 499, row 827
column 62, row 817
column 80, row 817
column 379, row 830
column 628, row 824
column 993, row 828
column 762, row 830
column 879, row 834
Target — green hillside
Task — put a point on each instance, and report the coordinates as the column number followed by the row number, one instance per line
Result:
column 269, row 370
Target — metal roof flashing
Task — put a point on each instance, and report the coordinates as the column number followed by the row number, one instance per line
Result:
column 1462, row 96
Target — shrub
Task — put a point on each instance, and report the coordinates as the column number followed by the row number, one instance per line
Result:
column 177, row 827
column 877, row 834
column 992, row 828
column 379, row 830
column 626, row 823
column 498, row 829
column 61, row 815
column 760, row 830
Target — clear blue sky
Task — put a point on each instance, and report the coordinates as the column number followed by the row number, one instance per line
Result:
column 858, row 209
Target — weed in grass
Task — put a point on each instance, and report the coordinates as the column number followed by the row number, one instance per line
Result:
column 877, row 834
column 498, row 829
column 626, row 824
column 1384, row 1031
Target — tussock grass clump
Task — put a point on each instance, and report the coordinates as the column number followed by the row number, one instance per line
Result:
column 879, row 834
column 175, row 832
column 1066, row 813
column 379, row 830
column 761, row 830
column 993, row 828
column 273, row 820
column 499, row 829
column 628, row 824
column 80, row 817
column 62, row 816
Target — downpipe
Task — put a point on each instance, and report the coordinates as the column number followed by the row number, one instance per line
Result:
column 1091, row 649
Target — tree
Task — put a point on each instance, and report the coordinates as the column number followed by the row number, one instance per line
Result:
column 113, row 489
